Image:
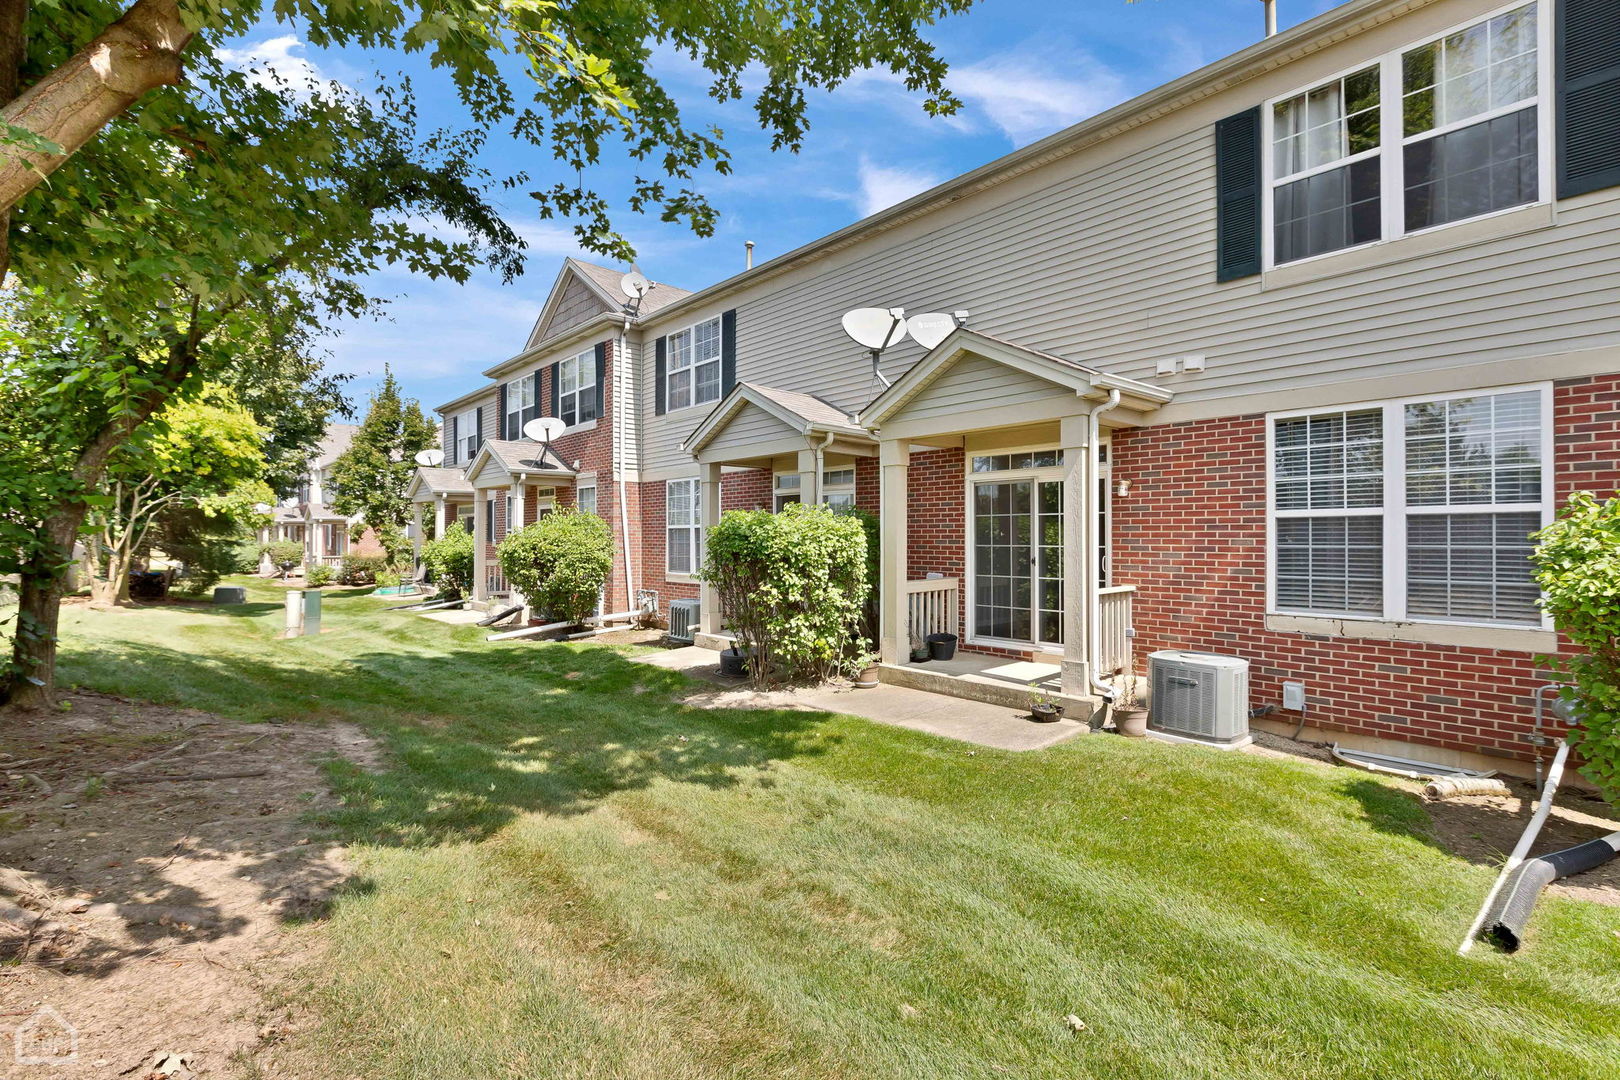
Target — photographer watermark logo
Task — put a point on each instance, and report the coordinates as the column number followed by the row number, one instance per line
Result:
column 46, row 1038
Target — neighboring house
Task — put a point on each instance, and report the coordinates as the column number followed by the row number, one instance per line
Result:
column 308, row 518
column 1284, row 359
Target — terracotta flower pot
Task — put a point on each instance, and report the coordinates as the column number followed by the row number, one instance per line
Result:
column 1132, row 723
column 867, row 679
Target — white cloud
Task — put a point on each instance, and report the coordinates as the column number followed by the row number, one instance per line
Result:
column 274, row 64
column 1028, row 95
column 883, row 186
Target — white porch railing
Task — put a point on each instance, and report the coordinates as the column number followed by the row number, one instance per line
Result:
column 1114, row 626
column 931, row 606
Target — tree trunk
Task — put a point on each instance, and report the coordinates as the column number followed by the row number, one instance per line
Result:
column 13, row 48
column 138, row 53
column 31, row 682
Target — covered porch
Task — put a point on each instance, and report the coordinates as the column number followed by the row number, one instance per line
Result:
column 811, row 449
column 447, row 495
column 996, row 496
column 513, row 483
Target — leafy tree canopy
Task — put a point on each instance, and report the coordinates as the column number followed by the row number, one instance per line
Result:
column 371, row 477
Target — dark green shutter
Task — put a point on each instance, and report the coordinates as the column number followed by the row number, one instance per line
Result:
column 1587, row 59
column 450, row 441
column 728, row 351
column 1237, row 195
column 601, row 375
column 478, row 438
column 556, row 395
column 660, row 358
column 500, row 412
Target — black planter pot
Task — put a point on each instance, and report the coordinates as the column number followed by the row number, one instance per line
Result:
column 1045, row 714
column 941, row 646
column 733, row 664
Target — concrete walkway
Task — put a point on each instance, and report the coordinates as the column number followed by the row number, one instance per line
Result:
column 969, row 721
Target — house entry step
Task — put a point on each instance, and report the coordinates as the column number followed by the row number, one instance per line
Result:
column 990, row 679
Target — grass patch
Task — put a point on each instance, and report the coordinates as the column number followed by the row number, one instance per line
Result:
column 566, row 873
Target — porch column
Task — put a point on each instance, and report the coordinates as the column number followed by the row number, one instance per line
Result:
column 1075, row 439
column 439, row 508
column 480, row 528
column 894, row 456
column 416, row 538
column 809, row 478
column 709, row 511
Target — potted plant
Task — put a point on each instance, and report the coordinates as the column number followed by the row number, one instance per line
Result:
column 1043, row 707
column 1130, row 716
column 919, row 649
column 865, row 669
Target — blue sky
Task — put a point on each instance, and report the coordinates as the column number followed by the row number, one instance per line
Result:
column 1023, row 69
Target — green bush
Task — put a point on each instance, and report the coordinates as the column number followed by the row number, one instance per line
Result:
column 284, row 554
column 874, row 560
column 793, row 587
column 449, row 560
column 1578, row 568
column 362, row 569
column 319, row 575
column 560, row 563
column 388, row 578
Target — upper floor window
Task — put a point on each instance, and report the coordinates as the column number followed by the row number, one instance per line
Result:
column 521, row 407
column 576, row 388
column 468, row 439
column 1412, row 510
column 693, row 374
column 1448, row 130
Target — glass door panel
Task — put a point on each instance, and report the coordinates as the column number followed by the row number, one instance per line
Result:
column 1018, row 560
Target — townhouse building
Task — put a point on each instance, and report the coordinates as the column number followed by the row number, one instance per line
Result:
column 1285, row 359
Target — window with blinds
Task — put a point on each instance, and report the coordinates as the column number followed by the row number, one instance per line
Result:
column 1418, row 509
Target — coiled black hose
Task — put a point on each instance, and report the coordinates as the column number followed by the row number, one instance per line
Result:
column 1505, row 922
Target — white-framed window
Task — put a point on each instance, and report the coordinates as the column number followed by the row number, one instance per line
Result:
column 1413, row 510
column 1451, row 128
column 683, row 519
column 785, row 490
column 521, row 407
column 468, row 438
column 585, row 498
column 692, row 365
column 514, row 514
column 576, row 388
column 838, row 487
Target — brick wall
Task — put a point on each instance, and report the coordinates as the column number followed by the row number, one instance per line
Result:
column 1191, row 537
column 746, row 489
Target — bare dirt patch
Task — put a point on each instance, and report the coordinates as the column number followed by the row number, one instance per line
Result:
column 154, row 915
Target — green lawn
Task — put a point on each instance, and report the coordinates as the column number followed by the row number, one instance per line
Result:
column 566, row 874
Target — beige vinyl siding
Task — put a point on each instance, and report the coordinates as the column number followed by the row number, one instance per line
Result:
column 751, row 425
column 976, row 383
column 1108, row 257
column 492, row 422
column 578, row 303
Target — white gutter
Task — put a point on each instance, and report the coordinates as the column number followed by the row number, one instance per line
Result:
column 1091, row 589
column 621, row 380
column 821, row 461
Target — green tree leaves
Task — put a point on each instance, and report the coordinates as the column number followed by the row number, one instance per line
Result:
column 560, row 563
column 371, row 478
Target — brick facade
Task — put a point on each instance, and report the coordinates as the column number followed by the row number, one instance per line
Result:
column 1201, row 583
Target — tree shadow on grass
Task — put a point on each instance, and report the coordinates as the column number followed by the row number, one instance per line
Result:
column 479, row 735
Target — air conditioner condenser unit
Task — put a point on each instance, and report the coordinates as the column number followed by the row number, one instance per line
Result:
column 1199, row 696
column 683, row 619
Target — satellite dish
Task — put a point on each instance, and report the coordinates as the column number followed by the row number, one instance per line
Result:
column 430, row 458
column 931, row 327
column 544, row 429
column 634, row 284
column 261, row 508
column 876, row 328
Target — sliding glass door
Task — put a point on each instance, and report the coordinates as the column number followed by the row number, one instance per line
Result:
column 1018, row 560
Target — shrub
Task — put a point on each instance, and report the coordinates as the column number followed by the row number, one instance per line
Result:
column 362, row 569
column 792, row 585
column 319, row 575
column 560, row 563
column 874, row 561
column 450, row 560
column 206, row 561
column 1577, row 561
column 284, row 554
column 388, row 578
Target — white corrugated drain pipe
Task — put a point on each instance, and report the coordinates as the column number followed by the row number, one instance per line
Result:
column 621, row 379
column 1093, row 596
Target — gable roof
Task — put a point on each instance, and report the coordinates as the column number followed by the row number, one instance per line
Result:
column 801, row 412
column 335, row 440
column 1085, row 380
column 438, row 481
column 518, row 458
column 602, row 282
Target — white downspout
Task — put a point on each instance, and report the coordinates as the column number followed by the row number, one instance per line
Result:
column 1091, row 589
column 621, row 368
column 821, row 462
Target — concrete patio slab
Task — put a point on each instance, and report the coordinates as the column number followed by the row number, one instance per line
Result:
column 455, row 616
column 975, row 722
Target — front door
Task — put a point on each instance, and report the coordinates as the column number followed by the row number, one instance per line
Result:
column 1018, row 560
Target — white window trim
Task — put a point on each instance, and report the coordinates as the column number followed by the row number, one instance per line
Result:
column 1395, row 511
column 465, row 421
column 696, row 529
column 519, row 384
column 670, row 370
column 838, row 489
column 1392, row 140
column 584, row 363
column 970, row 560
column 580, row 491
